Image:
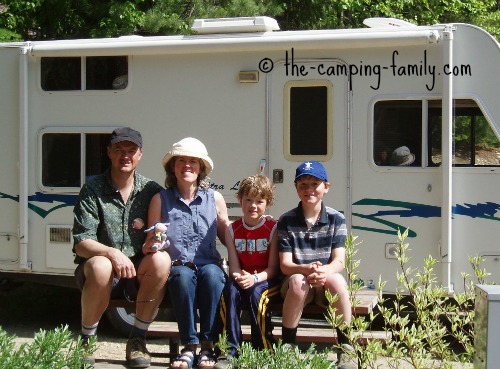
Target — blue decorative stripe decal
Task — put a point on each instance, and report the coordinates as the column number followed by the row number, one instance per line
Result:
column 61, row 201
column 402, row 209
column 412, row 210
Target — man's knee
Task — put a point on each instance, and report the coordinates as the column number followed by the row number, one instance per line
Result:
column 97, row 268
column 155, row 265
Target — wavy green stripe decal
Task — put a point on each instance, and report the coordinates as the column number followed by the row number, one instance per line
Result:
column 61, row 201
column 414, row 210
column 382, row 208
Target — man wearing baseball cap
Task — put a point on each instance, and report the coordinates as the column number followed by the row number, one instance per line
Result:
column 311, row 244
column 108, row 232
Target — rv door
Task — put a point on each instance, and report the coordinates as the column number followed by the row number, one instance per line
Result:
column 308, row 120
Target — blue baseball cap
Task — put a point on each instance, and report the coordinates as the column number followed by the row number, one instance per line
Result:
column 311, row 168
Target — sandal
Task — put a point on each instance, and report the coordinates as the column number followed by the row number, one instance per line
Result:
column 187, row 356
column 206, row 355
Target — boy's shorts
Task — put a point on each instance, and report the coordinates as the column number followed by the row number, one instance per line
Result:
column 315, row 294
column 121, row 288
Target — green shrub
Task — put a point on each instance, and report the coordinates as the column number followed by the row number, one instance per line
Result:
column 8, row 36
column 427, row 327
column 440, row 331
column 55, row 349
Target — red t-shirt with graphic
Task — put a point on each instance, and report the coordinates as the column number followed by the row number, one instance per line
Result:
column 252, row 243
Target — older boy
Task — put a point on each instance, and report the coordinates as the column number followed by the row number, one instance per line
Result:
column 311, row 243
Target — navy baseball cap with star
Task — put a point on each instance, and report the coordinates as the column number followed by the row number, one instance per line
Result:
column 311, row 168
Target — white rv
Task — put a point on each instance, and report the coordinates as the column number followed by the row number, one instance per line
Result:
column 263, row 100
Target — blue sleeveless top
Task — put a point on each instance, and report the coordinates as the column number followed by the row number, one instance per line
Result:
column 193, row 227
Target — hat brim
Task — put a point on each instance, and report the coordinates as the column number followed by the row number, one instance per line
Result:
column 310, row 175
column 408, row 161
column 209, row 165
column 121, row 139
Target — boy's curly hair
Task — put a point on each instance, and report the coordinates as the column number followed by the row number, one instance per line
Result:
column 257, row 184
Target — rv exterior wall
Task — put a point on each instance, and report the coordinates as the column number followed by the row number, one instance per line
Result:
column 189, row 86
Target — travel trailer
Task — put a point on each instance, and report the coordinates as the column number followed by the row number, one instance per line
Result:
column 262, row 101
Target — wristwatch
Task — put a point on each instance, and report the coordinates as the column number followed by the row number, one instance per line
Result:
column 256, row 277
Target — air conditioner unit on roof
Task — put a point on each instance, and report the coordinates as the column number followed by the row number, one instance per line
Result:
column 235, row 25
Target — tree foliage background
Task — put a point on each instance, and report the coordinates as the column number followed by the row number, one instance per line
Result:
column 69, row 19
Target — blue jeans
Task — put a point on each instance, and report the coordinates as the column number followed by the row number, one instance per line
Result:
column 256, row 299
column 191, row 290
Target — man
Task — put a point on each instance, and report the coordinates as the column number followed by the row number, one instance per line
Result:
column 108, row 232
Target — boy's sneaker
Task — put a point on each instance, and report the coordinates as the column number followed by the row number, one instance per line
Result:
column 137, row 354
column 347, row 358
column 88, row 360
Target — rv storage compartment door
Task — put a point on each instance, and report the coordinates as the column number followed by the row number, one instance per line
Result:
column 487, row 324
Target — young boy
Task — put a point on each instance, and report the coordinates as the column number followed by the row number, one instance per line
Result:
column 253, row 267
column 311, row 243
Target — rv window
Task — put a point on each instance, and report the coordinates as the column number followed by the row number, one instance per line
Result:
column 399, row 123
column 308, row 120
column 61, row 74
column 396, row 124
column 475, row 143
column 96, row 154
column 61, row 158
column 106, row 72
column 101, row 73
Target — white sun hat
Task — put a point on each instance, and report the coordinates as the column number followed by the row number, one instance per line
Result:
column 193, row 147
column 402, row 156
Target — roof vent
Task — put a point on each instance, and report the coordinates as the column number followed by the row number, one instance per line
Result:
column 235, row 25
column 386, row 23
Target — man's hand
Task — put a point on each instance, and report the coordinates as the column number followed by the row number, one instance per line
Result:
column 122, row 265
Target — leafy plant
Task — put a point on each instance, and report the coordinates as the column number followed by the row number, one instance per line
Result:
column 55, row 349
column 282, row 356
column 426, row 327
column 440, row 331
column 8, row 36
column 367, row 354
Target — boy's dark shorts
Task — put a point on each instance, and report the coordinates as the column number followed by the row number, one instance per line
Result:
column 125, row 288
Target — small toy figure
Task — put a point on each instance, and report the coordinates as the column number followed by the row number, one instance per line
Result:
column 162, row 241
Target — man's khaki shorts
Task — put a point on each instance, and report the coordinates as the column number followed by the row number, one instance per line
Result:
column 315, row 294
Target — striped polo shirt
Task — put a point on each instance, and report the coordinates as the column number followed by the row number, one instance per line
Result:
column 315, row 243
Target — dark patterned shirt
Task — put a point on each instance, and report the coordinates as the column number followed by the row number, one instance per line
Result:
column 101, row 215
column 315, row 243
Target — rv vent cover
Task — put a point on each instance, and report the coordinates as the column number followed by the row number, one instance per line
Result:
column 60, row 234
column 235, row 25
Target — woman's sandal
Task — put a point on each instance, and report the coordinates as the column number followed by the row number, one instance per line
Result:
column 206, row 355
column 187, row 356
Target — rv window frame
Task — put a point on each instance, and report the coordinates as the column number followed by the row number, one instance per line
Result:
column 82, row 131
column 425, row 134
column 83, row 78
column 286, row 119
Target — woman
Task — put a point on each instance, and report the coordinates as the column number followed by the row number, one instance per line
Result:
column 197, row 215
